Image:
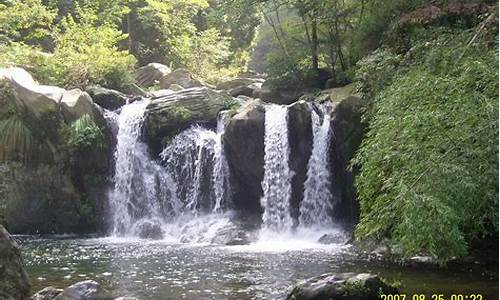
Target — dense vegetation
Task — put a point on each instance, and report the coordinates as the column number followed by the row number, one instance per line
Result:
column 427, row 71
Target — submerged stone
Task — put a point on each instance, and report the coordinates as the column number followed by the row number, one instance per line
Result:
column 85, row 290
column 149, row 230
column 48, row 293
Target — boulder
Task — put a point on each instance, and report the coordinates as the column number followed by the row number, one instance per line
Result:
column 75, row 104
column 38, row 99
column 127, row 298
column 300, row 138
column 84, row 290
column 180, row 77
column 170, row 114
column 14, row 282
column 244, row 147
column 338, row 237
column 149, row 230
column 278, row 96
column 245, row 90
column 150, row 73
column 341, row 286
column 48, row 293
column 106, row 98
column 239, row 82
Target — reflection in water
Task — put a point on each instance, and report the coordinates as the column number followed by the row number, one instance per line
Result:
column 160, row 270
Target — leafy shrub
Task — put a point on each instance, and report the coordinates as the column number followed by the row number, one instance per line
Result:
column 83, row 134
column 429, row 174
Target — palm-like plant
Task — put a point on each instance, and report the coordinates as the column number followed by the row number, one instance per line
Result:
column 16, row 139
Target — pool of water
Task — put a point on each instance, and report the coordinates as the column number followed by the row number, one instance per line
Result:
column 165, row 270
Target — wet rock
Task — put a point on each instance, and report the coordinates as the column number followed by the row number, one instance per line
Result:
column 162, row 93
column 48, row 293
column 278, row 96
column 127, row 298
column 348, row 131
column 150, row 73
column 231, row 237
column 149, row 230
column 180, row 77
column 170, row 114
column 341, row 286
column 422, row 260
column 334, row 238
column 244, row 147
column 14, row 282
column 242, row 91
column 84, row 290
column 106, row 98
column 300, row 138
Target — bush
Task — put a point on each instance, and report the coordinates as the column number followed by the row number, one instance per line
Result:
column 83, row 134
column 429, row 176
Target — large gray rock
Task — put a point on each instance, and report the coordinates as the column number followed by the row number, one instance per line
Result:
column 75, row 104
column 84, row 290
column 48, row 293
column 14, row 282
column 168, row 115
column 148, row 74
column 238, row 82
column 180, row 77
column 278, row 96
column 244, row 147
column 346, row 286
column 106, row 98
column 38, row 99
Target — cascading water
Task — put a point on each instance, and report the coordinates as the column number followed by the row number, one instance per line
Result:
column 276, row 183
column 220, row 176
column 316, row 207
column 142, row 189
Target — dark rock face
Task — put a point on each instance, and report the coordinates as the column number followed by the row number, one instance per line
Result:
column 300, row 138
column 244, row 145
column 106, row 98
column 48, row 293
column 57, row 191
column 277, row 96
column 168, row 115
column 341, row 286
column 348, row 131
column 84, row 290
column 14, row 282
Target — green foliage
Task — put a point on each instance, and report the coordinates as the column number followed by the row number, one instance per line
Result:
column 429, row 174
column 27, row 21
column 179, row 114
column 83, row 134
column 16, row 140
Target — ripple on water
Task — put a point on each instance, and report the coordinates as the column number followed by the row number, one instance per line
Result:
column 161, row 270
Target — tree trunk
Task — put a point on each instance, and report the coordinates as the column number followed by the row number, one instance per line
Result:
column 314, row 43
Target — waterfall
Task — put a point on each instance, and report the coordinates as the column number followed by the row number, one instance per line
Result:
column 220, row 176
column 316, row 207
column 276, row 183
column 197, row 161
column 143, row 190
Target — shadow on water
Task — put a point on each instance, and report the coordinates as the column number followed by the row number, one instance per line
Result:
column 160, row 270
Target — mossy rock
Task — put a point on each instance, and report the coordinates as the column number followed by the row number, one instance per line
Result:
column 168, row 115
